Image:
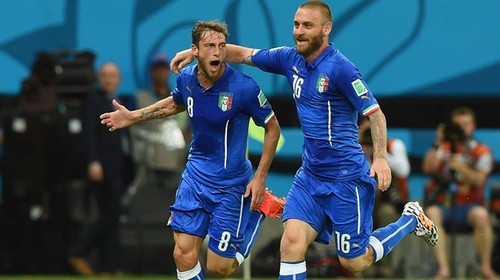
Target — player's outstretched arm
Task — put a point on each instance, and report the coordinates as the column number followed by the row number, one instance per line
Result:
column 122, row 117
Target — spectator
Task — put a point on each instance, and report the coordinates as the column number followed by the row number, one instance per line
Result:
column 460, row 166
column 105, row 159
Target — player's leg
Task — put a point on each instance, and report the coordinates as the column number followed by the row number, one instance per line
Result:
column 385, row 213
column 186, row 255
column 297, row 236
column 351, row 209
column 229, row 219
column 383, row 240
column 189, row 220
column 303, row 219
column 220, row 266
column 270, row 207
column 413, row 220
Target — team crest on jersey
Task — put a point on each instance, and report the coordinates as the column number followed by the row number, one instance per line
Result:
column 225, row 101
column 322, row 83
column 359, row 87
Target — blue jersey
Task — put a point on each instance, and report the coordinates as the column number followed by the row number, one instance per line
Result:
column 219, row 118
column 329, row 93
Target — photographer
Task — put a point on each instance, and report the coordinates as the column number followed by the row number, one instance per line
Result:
column 459, row 166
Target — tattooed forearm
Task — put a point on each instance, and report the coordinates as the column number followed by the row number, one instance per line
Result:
column 247, row 60
column 155, row 113
column 378, row 127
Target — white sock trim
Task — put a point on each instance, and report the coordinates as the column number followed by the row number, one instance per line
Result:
column 378, row 248
column 189, row 274
column 240, row 258
column 292, row 268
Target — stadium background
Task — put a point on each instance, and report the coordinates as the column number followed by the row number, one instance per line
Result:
column 420, row 57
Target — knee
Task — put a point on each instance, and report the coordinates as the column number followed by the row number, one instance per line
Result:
column 434, row 213
column 179, row 253
column 292, row 243
column 479, row 218
column 184, row 258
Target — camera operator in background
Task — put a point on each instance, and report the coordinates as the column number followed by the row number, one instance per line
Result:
column 39, row 93
column 459, row 166
column 388, row 204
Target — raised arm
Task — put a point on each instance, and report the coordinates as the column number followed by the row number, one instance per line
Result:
column 239, row 54
column 435, row 155
column 235, row 54
column 122, row 117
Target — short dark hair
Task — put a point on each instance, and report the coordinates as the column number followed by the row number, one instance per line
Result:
column 326, row 12
column 201, row 26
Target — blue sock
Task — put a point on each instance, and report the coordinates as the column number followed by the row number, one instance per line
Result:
column 293, row 270
column 383, row 240
column 250, row 235
column 192, row 274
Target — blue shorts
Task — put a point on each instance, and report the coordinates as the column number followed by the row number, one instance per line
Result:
column 460, row 216
column 222, row 213
column 343, row 208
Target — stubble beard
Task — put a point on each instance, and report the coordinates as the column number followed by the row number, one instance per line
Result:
column 314, row 44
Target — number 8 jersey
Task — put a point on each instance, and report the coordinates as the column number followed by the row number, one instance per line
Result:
column 219, row 118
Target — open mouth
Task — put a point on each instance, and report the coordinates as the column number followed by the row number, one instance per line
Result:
column 215, row 63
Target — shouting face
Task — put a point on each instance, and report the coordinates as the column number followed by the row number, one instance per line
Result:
column 211, row 53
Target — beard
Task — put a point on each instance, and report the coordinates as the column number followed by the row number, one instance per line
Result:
column 313, row 45
column 207, row 70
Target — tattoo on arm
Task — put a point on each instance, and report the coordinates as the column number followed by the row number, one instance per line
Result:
column 155, row 113
column 247, row 60
column 379, row 135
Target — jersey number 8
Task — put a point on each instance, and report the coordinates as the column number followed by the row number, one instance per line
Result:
column 224, row 241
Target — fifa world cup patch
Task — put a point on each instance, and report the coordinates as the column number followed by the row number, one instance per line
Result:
column 322, row 83
column 262, row 99
column 225, row 101
column 359, row 87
